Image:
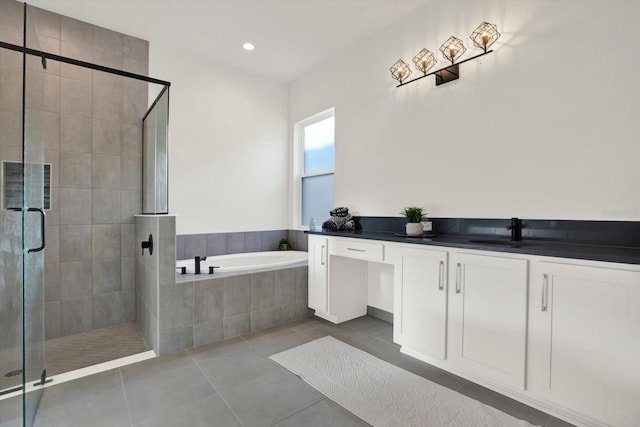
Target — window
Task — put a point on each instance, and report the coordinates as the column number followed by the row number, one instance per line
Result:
column 315, row 155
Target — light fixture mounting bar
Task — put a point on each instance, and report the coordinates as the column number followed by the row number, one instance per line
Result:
column 446, row 75
column 449, row 68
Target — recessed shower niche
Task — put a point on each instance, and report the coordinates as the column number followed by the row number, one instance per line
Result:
column 12, row 183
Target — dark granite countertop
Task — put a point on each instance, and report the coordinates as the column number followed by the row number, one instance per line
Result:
column 619, row 254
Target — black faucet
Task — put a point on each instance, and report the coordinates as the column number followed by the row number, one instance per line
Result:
column 197, row 263
column 516, row 229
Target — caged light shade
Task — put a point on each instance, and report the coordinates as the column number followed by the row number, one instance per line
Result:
column 485, row 35
column 400, row 70
column 424, row 60
column 452, row 49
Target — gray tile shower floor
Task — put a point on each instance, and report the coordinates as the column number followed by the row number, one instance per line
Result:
column 78, row 351
column 233, row 383
column 92, row 347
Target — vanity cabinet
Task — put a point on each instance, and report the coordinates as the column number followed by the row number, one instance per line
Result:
column 420, row 300
column 318, row 275
column 560, row 334
column 488, row 317
column 338, row 276
column 585, row 339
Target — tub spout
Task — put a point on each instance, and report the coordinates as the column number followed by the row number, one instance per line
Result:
column 197, row 263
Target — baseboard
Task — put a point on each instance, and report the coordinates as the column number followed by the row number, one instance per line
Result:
column 380, row 314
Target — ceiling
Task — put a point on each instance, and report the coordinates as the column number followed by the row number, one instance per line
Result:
column 291, row 36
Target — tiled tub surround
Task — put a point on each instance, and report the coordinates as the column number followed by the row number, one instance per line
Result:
column 176, row 312
column 210, row 308
column 191, row 245
column 92, row 137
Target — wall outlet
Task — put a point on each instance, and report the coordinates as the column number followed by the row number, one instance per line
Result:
column 428, row 226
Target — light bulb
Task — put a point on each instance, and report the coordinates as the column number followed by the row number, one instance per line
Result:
column 485, row 38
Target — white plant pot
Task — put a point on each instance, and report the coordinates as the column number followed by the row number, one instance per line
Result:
column 415, row 229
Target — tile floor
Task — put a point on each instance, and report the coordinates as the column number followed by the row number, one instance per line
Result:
column 233, row 383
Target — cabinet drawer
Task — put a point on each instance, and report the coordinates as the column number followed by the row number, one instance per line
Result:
column 357, row 249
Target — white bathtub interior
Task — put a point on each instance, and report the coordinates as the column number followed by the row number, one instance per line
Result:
column 244, row 261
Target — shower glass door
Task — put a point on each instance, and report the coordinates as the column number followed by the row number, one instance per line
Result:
column 36, row 104
column 22, row 108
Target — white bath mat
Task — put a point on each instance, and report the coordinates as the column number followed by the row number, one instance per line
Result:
column 383, row 394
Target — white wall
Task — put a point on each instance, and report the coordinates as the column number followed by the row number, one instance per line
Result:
column 545, row 127
column 228, row 149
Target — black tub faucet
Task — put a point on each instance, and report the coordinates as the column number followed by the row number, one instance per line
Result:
column 197, row 260
column 516, row 229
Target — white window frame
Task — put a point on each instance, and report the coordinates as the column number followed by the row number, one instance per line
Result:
column 298, row 165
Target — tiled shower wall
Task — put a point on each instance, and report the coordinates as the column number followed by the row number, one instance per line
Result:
column 155, row 278
column 92, row 130
column 191, row 245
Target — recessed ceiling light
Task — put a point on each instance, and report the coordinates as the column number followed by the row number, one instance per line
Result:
column 248, row 46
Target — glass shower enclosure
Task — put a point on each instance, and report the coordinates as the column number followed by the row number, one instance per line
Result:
column 155, row 164
column 25, row 195
column 22, row 218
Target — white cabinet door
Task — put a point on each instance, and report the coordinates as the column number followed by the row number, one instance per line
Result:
column 488, row 317
column 318, row 286
column 585, row 338
column 420, row 312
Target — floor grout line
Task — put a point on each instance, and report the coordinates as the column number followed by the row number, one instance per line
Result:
column 126, row 400
column 301, row 410
column 215, row 389
column 465, row 382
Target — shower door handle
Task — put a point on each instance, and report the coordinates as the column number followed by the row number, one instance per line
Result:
column 42, row 243
column 42, row 228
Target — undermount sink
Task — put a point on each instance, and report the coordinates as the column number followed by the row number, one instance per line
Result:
column 502, row 243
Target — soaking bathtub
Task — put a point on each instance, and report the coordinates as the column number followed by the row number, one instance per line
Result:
column 245, row 262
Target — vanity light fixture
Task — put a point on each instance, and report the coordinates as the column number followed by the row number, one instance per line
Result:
column 483, row 37
column 424, row 60
column 452, row 49
column 400, row 70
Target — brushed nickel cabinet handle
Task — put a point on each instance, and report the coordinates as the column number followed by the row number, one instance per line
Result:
column 458, row 269
column 441, row 276
column 322, row 261
column 356, row 250
column 545, row 292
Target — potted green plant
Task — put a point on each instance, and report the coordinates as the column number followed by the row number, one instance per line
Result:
column 284, row 245
column 414, row 217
